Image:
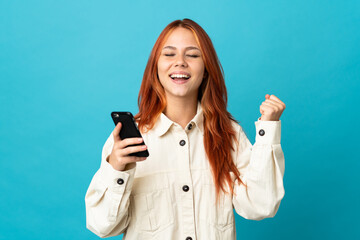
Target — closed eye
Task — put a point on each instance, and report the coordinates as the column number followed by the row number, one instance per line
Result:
column 194, row 56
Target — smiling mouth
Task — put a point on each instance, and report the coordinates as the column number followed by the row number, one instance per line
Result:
column 175, row 76
column 180, row 80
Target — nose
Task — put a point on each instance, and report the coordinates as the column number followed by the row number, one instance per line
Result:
column 180, row 61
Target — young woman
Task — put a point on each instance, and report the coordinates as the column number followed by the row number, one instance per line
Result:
column 201, row 164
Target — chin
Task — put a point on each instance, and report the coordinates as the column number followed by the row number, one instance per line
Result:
column 183, row 95
column 178, row 93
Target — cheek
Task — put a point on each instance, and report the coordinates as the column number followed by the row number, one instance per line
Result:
column 162, row 73
column 163, row 65
column 200, row 68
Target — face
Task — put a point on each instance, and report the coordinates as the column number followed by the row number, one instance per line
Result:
column 181, row 55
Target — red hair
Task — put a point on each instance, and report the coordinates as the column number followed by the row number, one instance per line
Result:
column 218, row 131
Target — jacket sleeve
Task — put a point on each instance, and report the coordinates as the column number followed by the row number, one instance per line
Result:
column 107, row 198
column 261, row 167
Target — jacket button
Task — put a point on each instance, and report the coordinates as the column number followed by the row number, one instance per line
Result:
column 120, row 181
column 261, row 132
column 182, row 142
column 188, row 238
column 190, row 126
column 185, row 188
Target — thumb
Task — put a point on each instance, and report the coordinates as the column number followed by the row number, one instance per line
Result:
column 116, row 132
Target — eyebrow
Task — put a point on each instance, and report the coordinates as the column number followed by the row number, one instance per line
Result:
column 187, row 48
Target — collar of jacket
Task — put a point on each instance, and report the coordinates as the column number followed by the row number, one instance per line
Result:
column 164, row 123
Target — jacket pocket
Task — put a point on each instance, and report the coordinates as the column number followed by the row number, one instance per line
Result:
column 151, row 203
column 220, row 214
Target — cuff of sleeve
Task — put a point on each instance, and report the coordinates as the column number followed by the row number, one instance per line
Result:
column 117, row 181
column 268, row 132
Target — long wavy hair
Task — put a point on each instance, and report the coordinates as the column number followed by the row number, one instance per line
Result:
column 218, row 131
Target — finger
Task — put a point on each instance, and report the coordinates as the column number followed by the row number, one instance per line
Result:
column 271, row 110
column 276, row 108
column 276, row 103
column 262, row 110
column 273, row 97
column 129, row 141
column 266, row 110
column 116, row 132
column 134, row 149
column 130, row 159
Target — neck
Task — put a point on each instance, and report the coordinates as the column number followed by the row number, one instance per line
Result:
column 181, row 110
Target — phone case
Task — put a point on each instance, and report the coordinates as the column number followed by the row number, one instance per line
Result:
column 129, row 129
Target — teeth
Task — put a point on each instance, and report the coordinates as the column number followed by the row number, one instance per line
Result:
column 179, row 76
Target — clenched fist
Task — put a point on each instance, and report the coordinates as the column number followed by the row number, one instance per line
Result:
column 272, row 108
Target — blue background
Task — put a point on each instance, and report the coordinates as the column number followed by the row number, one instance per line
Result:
column 65, row 65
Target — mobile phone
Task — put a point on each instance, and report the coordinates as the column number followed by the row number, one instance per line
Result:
column 129, row 129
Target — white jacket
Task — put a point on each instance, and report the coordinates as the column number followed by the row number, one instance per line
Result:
column 148, row 199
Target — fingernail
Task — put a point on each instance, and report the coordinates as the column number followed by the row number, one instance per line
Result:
column 139, row 139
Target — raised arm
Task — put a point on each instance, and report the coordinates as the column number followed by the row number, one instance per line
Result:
column 262, row 169
column 261, row 166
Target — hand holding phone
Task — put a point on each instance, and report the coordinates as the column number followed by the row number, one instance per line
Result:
column 128, row 143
